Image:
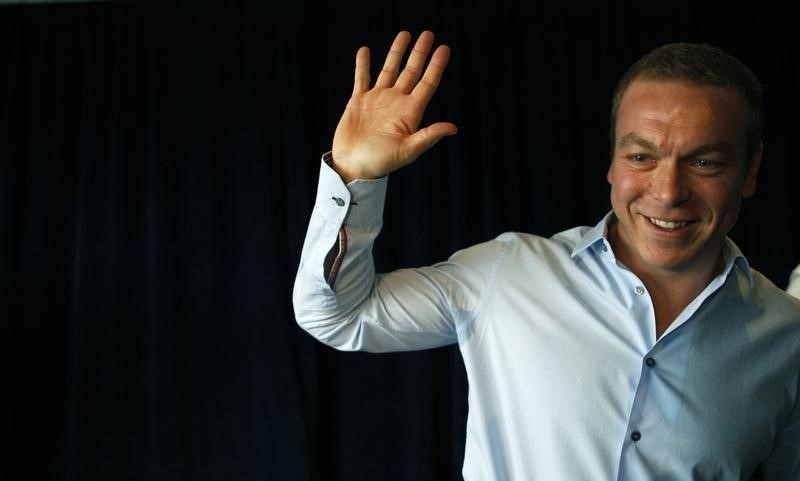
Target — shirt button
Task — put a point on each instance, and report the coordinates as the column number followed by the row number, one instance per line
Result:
column 650, row 362
column 338, row 201
column 605, row 248
column 636, row 435
column 639, row 290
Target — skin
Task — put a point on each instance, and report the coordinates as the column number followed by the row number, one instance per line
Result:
column 679, row 158
column 379, row 130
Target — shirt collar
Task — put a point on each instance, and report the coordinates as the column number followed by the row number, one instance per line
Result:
column 598, row 236
column 733, row 256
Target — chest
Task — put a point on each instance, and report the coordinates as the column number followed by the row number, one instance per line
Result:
column 579, row 366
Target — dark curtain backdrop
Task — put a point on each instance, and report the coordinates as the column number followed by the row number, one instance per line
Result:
column 158, row 165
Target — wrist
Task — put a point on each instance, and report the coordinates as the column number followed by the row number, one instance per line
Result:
column 341, row 167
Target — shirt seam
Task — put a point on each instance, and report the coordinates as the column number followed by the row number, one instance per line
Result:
column 489, row 289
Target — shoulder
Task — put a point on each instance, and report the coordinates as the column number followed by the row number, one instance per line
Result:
column 520, row 247
column 567, row 239
column 520, row 243
column 776, row 302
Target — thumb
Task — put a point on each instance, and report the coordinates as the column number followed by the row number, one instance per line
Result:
column 424, row 139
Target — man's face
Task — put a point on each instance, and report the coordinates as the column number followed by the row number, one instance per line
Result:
column 678, row 174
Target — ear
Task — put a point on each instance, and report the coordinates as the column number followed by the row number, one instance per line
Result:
column 751, row 176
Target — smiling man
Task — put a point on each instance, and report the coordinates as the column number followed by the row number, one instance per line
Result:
column 641, row 348
column 680, row 169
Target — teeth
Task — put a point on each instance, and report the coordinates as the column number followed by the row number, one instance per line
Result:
column 667, row 224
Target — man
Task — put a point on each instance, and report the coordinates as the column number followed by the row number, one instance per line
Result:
column 641, row 348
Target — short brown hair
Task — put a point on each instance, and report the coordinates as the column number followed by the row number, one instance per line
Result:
column 702, row 64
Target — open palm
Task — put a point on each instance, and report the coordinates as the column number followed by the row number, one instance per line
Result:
column 378, row 132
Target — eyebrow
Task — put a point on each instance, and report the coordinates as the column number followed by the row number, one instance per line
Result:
column 722, row 147
column 636, row 139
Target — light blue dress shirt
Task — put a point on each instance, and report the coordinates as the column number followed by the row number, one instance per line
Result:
column 567, row 380
column 794, row 283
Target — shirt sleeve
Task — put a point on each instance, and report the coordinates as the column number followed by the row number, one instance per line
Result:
column 794, row 283
column 340, row 300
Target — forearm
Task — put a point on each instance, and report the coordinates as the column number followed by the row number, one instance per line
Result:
column 340, row 300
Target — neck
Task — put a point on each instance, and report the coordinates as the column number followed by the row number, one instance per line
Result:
column 671, row 289
column 671, row 294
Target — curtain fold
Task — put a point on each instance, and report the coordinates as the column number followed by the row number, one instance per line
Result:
column 158, row 165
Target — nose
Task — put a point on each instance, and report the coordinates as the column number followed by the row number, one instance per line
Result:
column 668, row 184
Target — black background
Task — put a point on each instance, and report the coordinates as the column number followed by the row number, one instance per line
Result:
column 158, row 165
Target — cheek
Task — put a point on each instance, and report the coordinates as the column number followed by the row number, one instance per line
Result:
column 721, row 192
column 624, row 188
column 727, row 203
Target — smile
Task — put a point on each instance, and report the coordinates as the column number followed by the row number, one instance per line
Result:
column 666, row 224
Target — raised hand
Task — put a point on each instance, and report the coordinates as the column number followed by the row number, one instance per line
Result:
column 378, row 132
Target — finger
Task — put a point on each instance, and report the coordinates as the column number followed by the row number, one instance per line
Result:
column 361, row 83
column 424, row 139
column 429, row 82
column 391, row 67
column 416, row 63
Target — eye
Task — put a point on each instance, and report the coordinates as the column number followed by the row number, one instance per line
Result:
column 707, row 164
column 639, row 157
